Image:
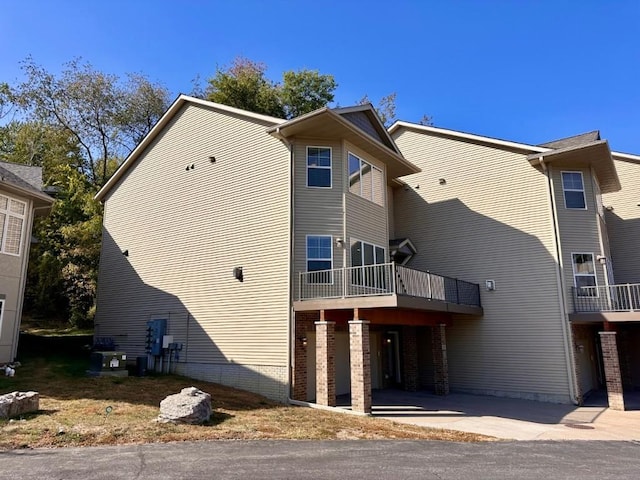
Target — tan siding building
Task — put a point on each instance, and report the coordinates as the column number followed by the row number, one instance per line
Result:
column 209, row 194
column 21, row 199
column 483, row 214
column 623, row 220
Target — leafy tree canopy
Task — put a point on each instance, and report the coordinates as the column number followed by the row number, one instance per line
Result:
column 244, row 85
column 106, row 116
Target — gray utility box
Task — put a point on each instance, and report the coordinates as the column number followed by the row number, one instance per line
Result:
column 108, row 363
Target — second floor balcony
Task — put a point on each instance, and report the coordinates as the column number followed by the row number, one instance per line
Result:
column 385, row 285
column 607, row 303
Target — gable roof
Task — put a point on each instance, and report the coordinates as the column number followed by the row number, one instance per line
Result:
column 375, row 127
column 468, row 137
column 585, row 149
column 164, row 120
column 328, row 122
column 25, row 180
column 574, row 140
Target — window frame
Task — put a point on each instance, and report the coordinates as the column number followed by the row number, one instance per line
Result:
column 322, row 167
column 373, row 167
column 329, row 259
column 2, row 304
column 4, row 227
column 356, row 278
column 565, row 190
column 576, row 275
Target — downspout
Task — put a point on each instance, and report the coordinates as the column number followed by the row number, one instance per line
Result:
column 569, row 354
column 291, row 319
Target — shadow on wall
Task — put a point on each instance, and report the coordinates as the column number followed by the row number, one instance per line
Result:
column 517, row 348
column 624, row 236
column 126, row 303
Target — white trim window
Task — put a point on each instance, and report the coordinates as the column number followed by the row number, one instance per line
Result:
column 584, row 274
column 366, row 180
column 367, row 255
column 320, row 258
column 573, row 188
column 1, row 313
column 319, row 167
column 12, row 220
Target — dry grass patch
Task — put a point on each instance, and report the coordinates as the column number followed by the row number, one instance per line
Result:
column 73, row 412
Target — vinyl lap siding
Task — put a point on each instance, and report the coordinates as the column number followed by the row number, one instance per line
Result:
column 186, row 230
column 317, row 211
column 11, row 286
column 490, row 220
column 623, row 223
column 578, row 228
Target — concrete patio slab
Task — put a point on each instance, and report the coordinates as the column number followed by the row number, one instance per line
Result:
column 508, row 418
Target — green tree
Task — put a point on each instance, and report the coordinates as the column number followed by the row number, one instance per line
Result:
column 386, row 108
column 245, row 85
column 305, row 91
column 106, row 116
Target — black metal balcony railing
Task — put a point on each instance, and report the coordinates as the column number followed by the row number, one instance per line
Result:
column 607, row 298
column 385, row 279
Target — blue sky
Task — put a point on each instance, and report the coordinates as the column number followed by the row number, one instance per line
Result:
column 519, row 70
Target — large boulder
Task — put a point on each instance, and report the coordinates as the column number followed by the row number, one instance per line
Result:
column 189, row 406
column 19, row 403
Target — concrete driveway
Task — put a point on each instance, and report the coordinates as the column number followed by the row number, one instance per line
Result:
column 510, row 418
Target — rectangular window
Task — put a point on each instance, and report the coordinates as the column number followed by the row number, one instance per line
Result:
column 366, row 180
column 319, row 167
column 12, row 217
column 320, row 258
column 1, row 312
column 584, row 274
column 364, row 255
column 573, row 188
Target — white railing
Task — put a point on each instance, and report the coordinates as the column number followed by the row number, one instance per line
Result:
column 385, row 279
column 607, row 298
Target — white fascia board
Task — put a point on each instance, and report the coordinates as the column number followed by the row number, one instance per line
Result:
column 467, row 136
column 626, row 156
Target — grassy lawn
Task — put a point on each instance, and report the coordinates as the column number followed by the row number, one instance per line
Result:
column 73, row 412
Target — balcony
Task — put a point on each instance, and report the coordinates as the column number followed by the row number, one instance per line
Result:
column 613, row 303
column 385, row 285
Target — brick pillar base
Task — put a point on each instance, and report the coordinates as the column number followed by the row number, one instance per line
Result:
column 410, row 358
column 360, row 366
column 440, row 364
column 325, row 364
column 304, row 325
column 612, row 370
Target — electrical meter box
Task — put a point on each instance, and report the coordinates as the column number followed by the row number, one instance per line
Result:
column 156, row 329
column 108, row 363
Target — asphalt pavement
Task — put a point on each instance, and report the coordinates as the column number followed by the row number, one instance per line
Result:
column 371, row 460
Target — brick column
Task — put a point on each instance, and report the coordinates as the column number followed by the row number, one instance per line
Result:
column 325, row 363
column 360, row 365
column 304, row 325
column 410, row 358
column 612, row 370
column 440, row 364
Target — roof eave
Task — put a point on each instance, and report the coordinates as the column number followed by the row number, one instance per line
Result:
column 468, row 137
column 40, row 198
column 605, row 170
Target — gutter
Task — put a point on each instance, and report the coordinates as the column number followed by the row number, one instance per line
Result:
column 568, row 351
